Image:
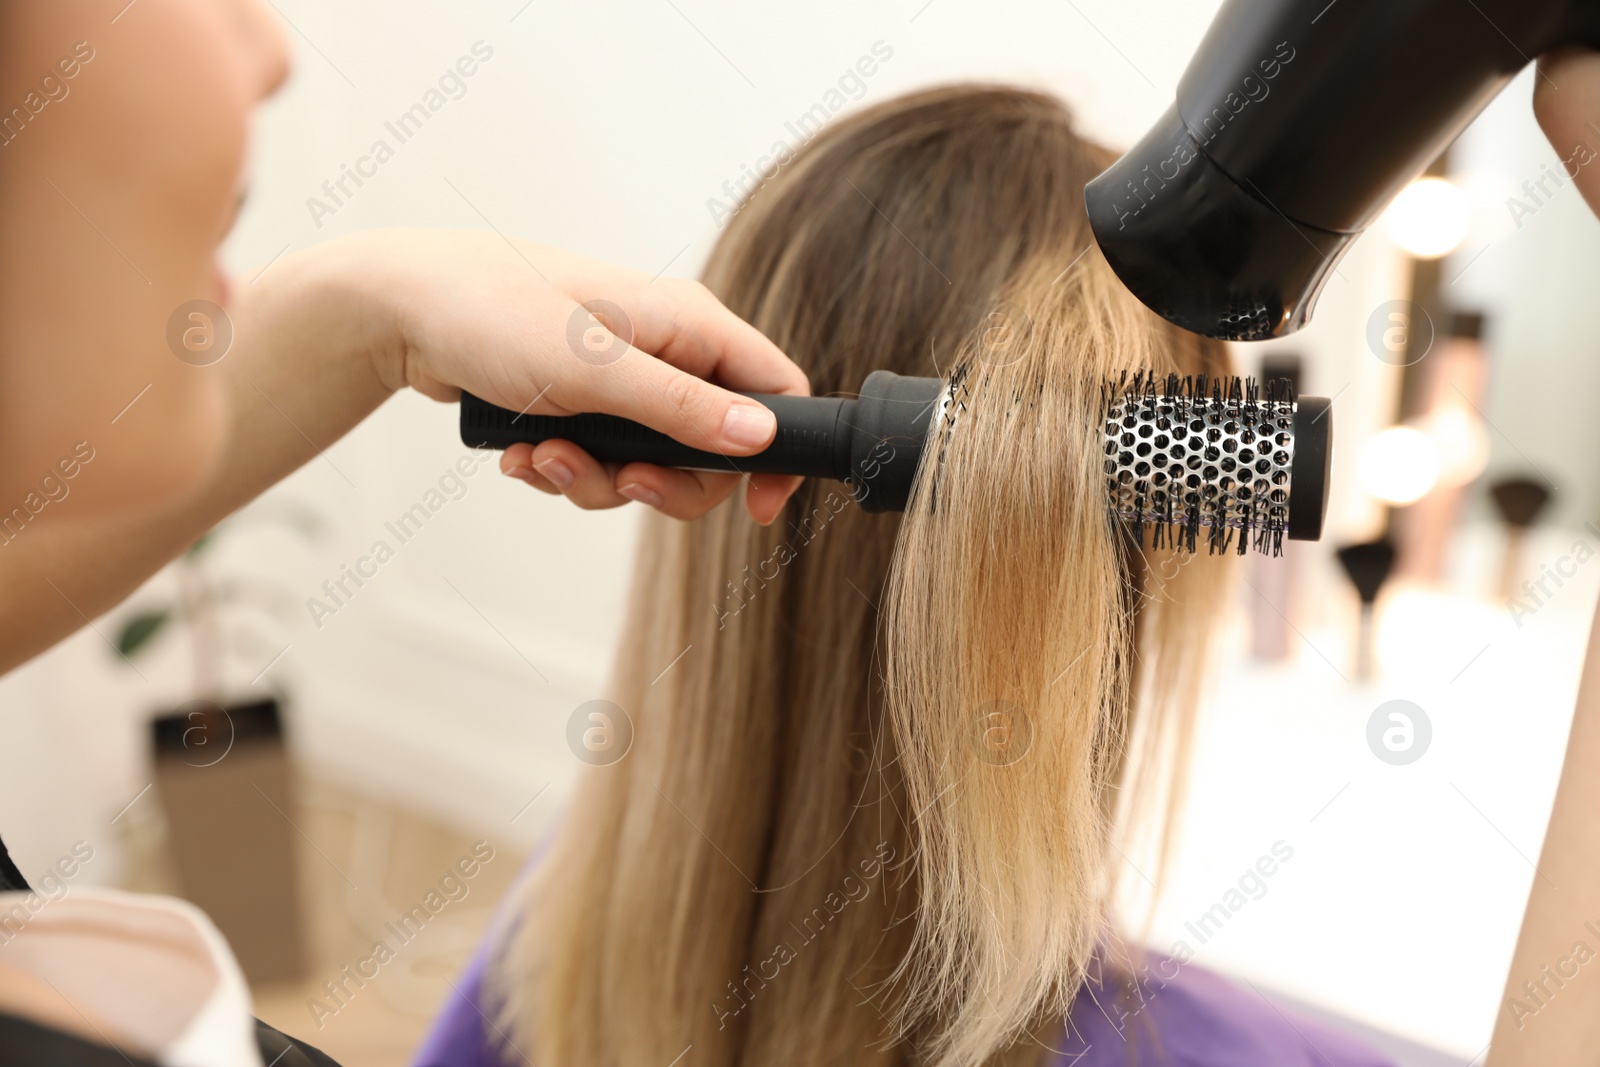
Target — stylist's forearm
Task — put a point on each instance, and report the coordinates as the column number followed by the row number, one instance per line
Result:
column 1550, row 1013
column 324, row 336
column 307, row 364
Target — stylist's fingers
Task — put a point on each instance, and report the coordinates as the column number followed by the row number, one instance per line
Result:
column 517, row 462
column 683, row 323
column 1566, row 100
column 677, row 403
column 580, row 477
column 664, row 348
column 675, row 493
column 696, row 340
column 680, row 405
column 594, row 486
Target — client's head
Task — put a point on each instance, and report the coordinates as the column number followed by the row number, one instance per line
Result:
column 867, row 809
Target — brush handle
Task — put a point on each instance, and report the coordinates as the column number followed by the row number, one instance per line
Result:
column 808, row 442
column 872, row 442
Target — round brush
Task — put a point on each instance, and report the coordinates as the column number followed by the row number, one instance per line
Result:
column 1181, row 454
column 1186, row 453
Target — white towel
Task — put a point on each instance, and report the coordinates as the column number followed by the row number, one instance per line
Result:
column 150, row 968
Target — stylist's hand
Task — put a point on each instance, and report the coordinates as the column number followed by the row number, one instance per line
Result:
column 505, row 320
column 1566, row 99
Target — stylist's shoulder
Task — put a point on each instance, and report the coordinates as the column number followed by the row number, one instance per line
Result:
column 1566, row 100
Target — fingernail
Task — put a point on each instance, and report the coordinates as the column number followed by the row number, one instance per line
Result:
column 522, row 474
column 558, row 473
column 749, row 425
column 643, row 494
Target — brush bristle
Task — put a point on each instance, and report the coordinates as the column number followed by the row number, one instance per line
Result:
column 1188, row 453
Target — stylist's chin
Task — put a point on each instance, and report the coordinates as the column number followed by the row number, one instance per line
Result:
column 113, row 202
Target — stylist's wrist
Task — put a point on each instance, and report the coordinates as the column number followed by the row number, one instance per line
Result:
column 321, row 310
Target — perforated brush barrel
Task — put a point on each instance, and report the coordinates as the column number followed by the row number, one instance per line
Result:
column 1247, row 466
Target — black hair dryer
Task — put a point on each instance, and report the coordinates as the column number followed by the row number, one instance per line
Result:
column 1296, row 123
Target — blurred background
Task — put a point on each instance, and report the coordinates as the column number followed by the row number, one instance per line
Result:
column 1391, row 715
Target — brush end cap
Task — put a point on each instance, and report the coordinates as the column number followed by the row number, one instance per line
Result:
column 1309, row 474
column 888, row 432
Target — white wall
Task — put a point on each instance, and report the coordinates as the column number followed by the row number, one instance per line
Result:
column 606, row 128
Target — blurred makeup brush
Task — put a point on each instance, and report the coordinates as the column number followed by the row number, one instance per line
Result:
column 1367, row 565
column 1519, row 501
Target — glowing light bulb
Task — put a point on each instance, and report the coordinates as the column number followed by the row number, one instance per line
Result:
column 1461, row 441
column 1399, row 465
column 1429, row 218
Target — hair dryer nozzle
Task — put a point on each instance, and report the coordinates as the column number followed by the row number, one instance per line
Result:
column 1201, row 250
column 1294, row 125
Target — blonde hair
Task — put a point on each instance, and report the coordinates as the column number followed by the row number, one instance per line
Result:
column 873, row 785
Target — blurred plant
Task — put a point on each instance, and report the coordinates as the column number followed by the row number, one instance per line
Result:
column 202, row 598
